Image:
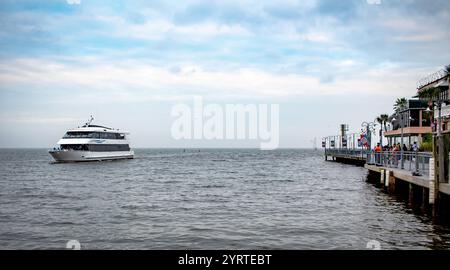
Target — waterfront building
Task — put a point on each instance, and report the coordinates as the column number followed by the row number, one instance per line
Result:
column 419, row 118
column 439, row 80
column 416, row 121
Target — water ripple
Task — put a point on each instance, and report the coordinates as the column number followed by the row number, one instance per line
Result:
column 207, row 199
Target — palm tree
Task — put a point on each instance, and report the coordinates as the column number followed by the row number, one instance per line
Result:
column 400, row 104
column 430, row 94
column 382, row 119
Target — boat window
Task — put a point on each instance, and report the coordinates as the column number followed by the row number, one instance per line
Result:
column 96, row 147
column 108, row 147
column 106, row 135
column 80, row 134
column 75, row 147
column 94, row 135
column 111, row 136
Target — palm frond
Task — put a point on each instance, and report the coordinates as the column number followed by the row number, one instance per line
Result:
column 429, row 94
column 400, row 104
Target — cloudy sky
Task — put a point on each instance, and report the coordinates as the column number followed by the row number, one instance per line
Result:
column 128, row 62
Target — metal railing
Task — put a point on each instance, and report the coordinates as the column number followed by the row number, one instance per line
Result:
column 416, row 162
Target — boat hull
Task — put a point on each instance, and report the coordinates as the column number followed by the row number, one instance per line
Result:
column 81, row 156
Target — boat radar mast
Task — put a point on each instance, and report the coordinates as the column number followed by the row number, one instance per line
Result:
column 89, row 122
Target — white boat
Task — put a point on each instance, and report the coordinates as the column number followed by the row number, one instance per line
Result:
column 92, row 143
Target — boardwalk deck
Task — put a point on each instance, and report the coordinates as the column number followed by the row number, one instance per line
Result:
column 405, row 175
column 360, row 157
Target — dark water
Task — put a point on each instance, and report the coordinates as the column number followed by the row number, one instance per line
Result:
column 213, row 199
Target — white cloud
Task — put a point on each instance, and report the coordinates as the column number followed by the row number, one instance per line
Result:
column 159, row 28
column 41, row 120
column 317, row 37
column 135, row 81
column 414, row 28
column 419, row 37
column 400, row 23
column 74, row 2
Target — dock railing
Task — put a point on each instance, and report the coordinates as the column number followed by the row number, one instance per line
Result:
column 416, row 162
column 348, row 153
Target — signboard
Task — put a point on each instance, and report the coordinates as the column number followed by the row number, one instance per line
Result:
column 363, row 141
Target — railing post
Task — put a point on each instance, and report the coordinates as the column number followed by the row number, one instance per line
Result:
column 416, row 172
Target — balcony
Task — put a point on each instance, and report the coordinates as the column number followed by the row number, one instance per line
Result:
column 415, row 119
column 408, row 130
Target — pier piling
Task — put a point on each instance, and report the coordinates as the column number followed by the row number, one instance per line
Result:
column 392, row 184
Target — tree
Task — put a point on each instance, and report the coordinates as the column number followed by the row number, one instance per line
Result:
column 430, row 94
column 400, row 104
column 447, row 69
column 382, row 119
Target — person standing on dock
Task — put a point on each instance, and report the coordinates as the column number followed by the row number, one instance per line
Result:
column 405, row 149
column 396, row 150
column 378, row 153
column 415, row 148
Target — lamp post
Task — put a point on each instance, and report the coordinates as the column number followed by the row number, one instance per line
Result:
column 439, row 103
column 368, row 128
column 440, row 142
column 402, row 166
column 440, row 157
column 402, row 125
column 381, row 135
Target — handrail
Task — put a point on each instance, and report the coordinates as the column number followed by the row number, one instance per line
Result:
column 416, row 162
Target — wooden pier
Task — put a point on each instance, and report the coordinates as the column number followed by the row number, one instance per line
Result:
column 420, row 191
column 418, row 179
column 404, row 175
column 347, row 156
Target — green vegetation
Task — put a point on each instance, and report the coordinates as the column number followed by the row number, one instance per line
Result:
column 430, row 94
column 382, row 120
column 427, row 143
column 426, row 147
column 400, row 104
column 427, row 138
